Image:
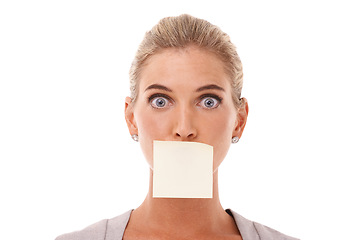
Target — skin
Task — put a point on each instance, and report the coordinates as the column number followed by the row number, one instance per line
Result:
column 184, row 95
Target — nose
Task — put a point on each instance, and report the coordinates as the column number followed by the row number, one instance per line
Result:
column 184, row 128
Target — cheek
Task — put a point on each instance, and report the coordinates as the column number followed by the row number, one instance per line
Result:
column 221, row 137
column 150, row 127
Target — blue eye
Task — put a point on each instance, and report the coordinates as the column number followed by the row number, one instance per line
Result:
column 209, row 102
column 159, row 102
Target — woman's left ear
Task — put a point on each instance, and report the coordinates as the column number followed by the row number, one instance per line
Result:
column 242, row 114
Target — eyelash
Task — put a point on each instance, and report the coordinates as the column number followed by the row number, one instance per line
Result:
column 202, row 97
column 211, row 96
column 152, row 97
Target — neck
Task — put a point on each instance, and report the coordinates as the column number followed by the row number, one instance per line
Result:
column 184, row 214
column 184, row 205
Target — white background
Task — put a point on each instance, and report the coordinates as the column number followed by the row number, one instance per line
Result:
column 68, row 161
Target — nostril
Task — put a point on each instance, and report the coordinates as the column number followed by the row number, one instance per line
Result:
column 184, row 136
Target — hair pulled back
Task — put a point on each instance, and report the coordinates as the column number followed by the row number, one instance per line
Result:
column 180, row 32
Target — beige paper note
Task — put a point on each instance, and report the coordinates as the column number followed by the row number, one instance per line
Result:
column 182, row 170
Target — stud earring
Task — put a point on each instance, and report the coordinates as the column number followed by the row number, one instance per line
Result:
column 135, row 137
column 234, row 139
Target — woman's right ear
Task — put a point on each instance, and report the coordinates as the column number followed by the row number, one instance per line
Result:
column 129, row 116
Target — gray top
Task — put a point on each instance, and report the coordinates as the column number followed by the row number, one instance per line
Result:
column 113, row 229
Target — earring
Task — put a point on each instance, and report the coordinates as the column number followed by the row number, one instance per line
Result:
column 135, row 137
column 234, row 139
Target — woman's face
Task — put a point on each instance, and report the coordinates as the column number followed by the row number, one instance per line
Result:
column 185, row 95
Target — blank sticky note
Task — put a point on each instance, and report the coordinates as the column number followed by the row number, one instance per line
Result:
column 182, row 170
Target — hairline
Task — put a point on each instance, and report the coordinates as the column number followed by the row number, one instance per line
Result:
column 159, row 50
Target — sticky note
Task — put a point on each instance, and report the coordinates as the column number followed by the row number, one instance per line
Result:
column 182, row 170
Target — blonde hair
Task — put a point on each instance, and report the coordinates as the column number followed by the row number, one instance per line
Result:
column 182, row 31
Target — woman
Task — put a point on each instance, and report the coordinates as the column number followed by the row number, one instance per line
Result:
column 186, row 83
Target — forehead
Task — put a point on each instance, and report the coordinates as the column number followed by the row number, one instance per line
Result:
column 187, row 67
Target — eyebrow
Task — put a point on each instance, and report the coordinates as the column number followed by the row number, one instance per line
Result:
column 206, row 87
column 211, row 86
column 158, row 86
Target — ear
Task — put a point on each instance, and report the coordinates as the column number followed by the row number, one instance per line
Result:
column 242, row 114
column 129, row 116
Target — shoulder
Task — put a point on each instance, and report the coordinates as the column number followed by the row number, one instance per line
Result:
column 254, row 230
column 93, row 232
column 105, row 229
column 269, row 233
